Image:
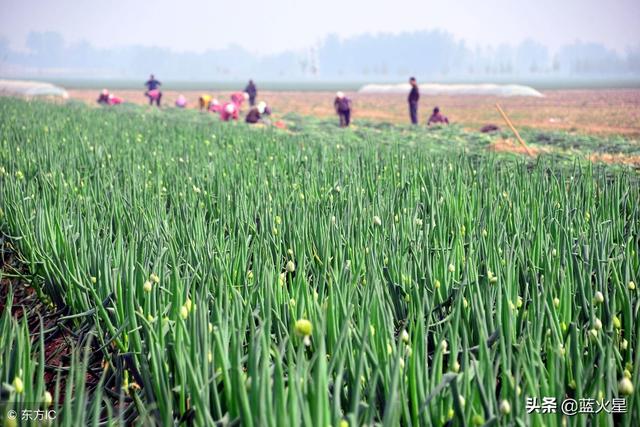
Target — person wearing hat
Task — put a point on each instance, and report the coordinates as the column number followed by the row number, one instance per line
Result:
column 107, row 98
column 414, row 97
column 104, row 97
column 229, row 111
column 342, row 105
column 256, row 113
column 214, row 106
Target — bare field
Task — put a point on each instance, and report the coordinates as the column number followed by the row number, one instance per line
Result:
column 595, row 111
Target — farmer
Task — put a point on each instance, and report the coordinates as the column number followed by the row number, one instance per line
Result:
column 204, row 101
column 114, row 100
column 107, row 98
column 214, row 106
column 153, row 92
column 181, row 102
column 229, row 111
column 437, row 117
column 414, row 97
column 342, row 104
column 256, row 113
column 104, row 97
column 239, row 97
column 252, row 91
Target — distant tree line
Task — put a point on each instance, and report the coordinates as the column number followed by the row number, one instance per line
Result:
column 436, row 54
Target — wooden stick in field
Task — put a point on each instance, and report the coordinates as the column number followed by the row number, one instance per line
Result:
column 513, row 129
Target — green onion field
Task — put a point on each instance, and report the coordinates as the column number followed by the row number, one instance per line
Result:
column 210, row 274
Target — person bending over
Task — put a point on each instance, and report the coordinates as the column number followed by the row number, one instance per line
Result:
column 204, row 101
column 437, row 117
column 229, row 111
column 257, row 113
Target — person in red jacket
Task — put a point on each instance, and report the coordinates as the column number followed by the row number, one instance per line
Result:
column 437, row 117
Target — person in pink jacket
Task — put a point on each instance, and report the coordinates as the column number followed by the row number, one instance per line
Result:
column 181, row 102
column 229, row 111
column 215, row 106
column 153, row 90
column 114, row 100
column 107, row 98
column 239, row 97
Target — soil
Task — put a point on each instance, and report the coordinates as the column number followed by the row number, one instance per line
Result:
column 594, row 111
column 511, row 146
column 59, row 340
column 616, row 158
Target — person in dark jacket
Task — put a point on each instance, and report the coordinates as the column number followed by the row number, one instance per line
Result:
column 107, row 98
column 104, row 97
column 342, row 104
column 257, row 114
column 252, row 91
column 153, row 92
column 437, row 117
column 414, row 97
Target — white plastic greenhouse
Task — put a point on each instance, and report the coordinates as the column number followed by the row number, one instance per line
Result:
column 30, row 89
column 455, row 89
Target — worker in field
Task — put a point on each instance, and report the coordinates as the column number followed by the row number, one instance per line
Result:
column 153, row 90
column 214, row 106
column 258, row 114
column 229, row 111
column 204, row 101
column 252, row 91
column 181, row 102
column 106, row 98
column 437, row 118
column 414, row 97
column 342, row 105
column 103, row 99
column 114, row 100
column 239, row 97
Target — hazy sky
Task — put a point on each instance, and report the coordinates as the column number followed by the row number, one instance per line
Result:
column 276, row 25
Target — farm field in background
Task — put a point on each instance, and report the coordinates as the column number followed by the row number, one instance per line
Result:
column 586, row 111
column 212, row 273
